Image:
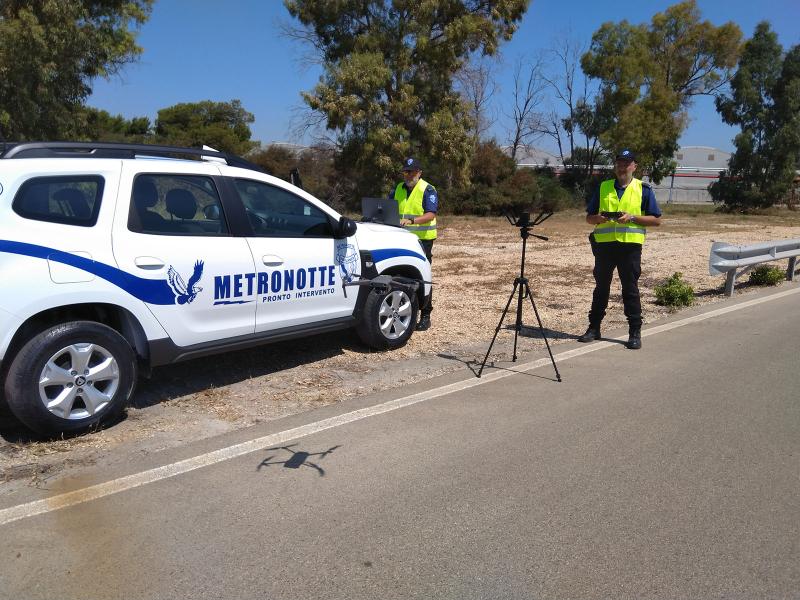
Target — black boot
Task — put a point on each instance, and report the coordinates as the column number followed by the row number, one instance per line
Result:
column 634, row 339
column 424, row 323
column 592, row 334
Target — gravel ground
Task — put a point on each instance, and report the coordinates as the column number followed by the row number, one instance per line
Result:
column 475, row 263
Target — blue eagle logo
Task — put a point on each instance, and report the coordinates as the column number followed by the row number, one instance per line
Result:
column 347, row 259
column 185, row 292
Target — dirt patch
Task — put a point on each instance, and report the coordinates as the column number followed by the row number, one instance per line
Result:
column 475, row 263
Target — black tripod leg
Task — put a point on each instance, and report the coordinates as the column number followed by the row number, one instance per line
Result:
column 518, row 323
column 541, row 330
column 499, row 325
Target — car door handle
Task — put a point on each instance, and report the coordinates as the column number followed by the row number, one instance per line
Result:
column 149, row 263
column 271, row 260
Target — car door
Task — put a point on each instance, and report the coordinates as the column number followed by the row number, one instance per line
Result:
column 172, row 235
column 301, row 267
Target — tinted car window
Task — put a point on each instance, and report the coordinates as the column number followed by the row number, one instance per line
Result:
column 275, row 212
column 176, row 205
column 70, row 200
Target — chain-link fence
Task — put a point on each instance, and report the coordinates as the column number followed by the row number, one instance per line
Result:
column 686, row 187
column 681, row 194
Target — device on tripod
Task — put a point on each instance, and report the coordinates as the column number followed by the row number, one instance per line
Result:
column 523, row 221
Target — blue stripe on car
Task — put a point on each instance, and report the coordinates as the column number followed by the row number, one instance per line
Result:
column 152, row 291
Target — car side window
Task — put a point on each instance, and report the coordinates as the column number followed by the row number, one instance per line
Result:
column 275, row 212
column 169, row 204
column 68, row 199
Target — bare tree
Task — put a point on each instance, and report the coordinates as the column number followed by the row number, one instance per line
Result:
column 526, row 121
column 566, row 54
column 576, row 114
column 306, row 125
column 476, row 84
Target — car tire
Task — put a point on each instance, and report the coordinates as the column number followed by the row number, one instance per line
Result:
column 388, row 319
column 70, row 378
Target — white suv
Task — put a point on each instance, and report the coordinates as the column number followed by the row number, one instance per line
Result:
column 115, row 258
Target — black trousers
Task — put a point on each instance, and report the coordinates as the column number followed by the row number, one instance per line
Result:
column 627, row 260
column 428, row 308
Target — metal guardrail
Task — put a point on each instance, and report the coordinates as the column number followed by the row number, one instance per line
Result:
column 728, row 259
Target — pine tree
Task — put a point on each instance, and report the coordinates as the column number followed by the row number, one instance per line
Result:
column 764, row 101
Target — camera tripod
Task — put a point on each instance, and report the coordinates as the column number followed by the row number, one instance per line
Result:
column 521, row 284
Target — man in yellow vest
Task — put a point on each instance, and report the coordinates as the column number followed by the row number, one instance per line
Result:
column 418, row 203
column 621, row 210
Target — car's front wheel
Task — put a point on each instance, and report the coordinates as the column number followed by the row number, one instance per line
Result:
column 71, row 377
column 388, row 320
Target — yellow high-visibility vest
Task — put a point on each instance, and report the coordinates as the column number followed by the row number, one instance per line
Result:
column 410, row 206
column 631, row 203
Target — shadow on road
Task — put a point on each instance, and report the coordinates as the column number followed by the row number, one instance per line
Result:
column 532, row 331
column 290, row 458
column 475, row 365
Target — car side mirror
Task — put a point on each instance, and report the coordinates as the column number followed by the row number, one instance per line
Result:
column 344, row 228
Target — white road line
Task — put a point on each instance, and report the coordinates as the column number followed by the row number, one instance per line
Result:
column 129, row 482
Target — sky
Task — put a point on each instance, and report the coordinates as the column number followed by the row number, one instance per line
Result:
column 207, row 50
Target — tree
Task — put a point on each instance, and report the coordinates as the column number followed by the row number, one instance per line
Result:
column 765, row 103
column 491, row 165
column 50, row 51
column 498, row 186
column 477, row 86
column 785, row 128
column 649, row 74
column 320, row 178
column 315, row 165
column 275, row 160
column 527, row 96
column 224, row 126
column 387, row 89
column 100, row 125
column 578, row 114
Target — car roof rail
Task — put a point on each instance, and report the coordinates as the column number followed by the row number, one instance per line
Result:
column 118, row 150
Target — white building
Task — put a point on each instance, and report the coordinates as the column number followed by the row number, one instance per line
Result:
column 532, row 157
column 698, row 166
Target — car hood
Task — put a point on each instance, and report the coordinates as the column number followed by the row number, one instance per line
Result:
column 376, row 237
column 381, row 228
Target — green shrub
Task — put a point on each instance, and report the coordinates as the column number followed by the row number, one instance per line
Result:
column 675, row 292
column 766, row 275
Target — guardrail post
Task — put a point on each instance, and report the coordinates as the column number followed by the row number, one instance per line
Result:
column 730, row 281
column 791, row 269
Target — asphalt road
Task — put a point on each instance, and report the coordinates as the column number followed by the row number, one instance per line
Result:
column 672, row 472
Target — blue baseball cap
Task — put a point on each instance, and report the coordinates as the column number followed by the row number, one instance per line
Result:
column 411, row 164
column 626, row 155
